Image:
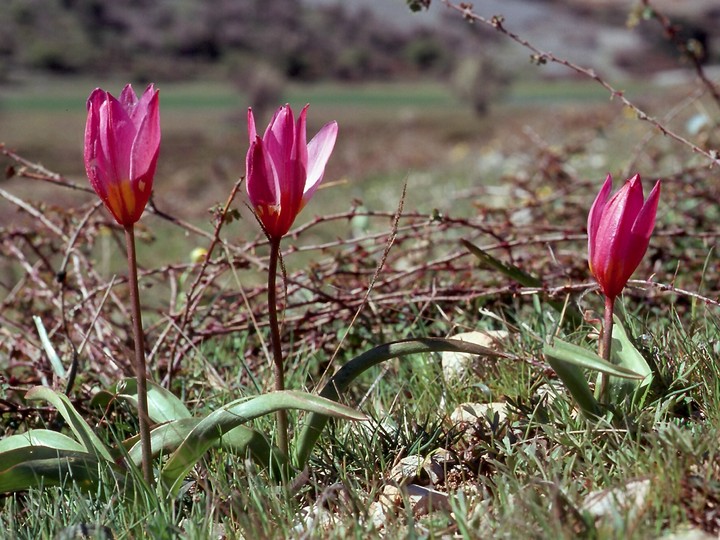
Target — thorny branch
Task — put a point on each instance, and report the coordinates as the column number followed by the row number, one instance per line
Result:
column 426, row 272
column 189, row 304
column 541, row 57
column 687, row 49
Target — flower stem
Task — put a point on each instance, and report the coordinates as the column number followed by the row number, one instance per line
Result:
column 278, row 368
column 140, row 370
column 606, row 344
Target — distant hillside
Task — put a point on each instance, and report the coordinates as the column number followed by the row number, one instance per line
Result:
column 593, row 32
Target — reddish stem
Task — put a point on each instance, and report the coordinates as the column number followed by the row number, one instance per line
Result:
column 140, row 369
column 606, row 344
column 278, row 368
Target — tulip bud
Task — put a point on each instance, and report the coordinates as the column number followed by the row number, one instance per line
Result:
column 283, row 171
column 619, row 230
column 122, row 142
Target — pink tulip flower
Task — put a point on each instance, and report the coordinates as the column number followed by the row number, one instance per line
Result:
column 283, row 171
column 619, row 230
column 122, row 142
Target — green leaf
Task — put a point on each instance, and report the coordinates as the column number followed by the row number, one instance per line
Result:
column 41, row 466
column 167, row 438
column 82, row 430
column 573, row 378
column 582, row 358
column 39, row 437
column 218, row 423
column 163, row 405
column 510, row 270
column 570, row 360
column 521, row 277
column 10, row 458
column 626, row 355
column 316, row 422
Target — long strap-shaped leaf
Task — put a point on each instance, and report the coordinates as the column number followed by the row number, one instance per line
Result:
column 521, row 277
column 38, row 437
column 316, row 422
column 569, row 361
column 167, row 438
column 82, row 430
column 219, row 422
column 41, row 466
column 163, row 405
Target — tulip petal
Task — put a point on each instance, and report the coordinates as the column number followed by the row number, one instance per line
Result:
column 122, row 139
column 595, row 214
column 93, row 155
column 277, row 168
column 117, row 133
column 262, row 183
column 252, row 133
column 146, row 145
column 127, row 98
column 319, row 150
column 645, row 222
column 300, row 149
column 619, row 234
column 279, row 138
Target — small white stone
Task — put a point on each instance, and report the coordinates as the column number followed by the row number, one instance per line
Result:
column 456, row 365
column 627, row 500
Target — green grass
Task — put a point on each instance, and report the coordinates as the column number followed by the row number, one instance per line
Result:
column 525, row 476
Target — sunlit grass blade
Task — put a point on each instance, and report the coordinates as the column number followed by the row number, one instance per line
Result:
column 82, row 430
column 55, row 361
column 221, row 421
column 163, row 405
column 315, row 422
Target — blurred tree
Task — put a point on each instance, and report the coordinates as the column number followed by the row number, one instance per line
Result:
column 162, row 39
column 479, row 80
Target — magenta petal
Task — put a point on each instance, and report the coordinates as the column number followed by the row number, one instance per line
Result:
column 120, row 136
column 146, row 145
column 645, row 222
column 596, row 212
column 319, row 150
column 619, row 233
column 122, row 140
column 300, row 149
column 280, row 134
column 141, row 108
column 252, row 132
column 261, row 181
column 127, row 98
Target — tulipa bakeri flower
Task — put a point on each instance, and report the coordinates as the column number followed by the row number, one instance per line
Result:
column 619, row 229
column 283, row 172
column 122, row 142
